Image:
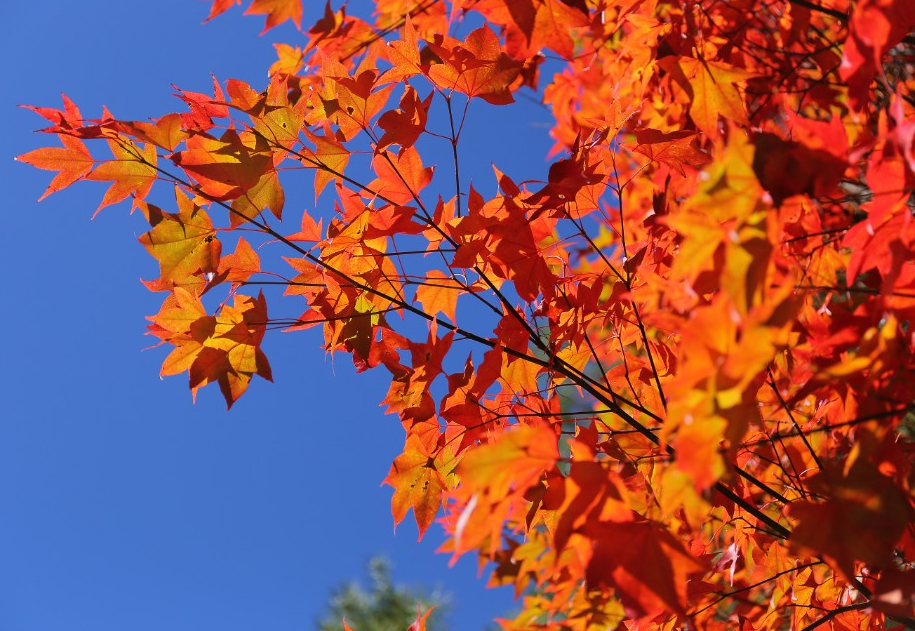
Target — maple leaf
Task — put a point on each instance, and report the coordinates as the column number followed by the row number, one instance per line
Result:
column 418, row 483
column 224, row 348
column 516, row 461
column 588, row 493
column 860, row 495
column 132, row 172
column 289, row 60
column 791, row 168
column 165, row 132
column 220, row 6
column 644, row 562
column 713, row 91
column 401, row 177
column 243, row 97
column 224, row 167
column 328, row 25
column 184, row 243
column 404, row 55
column 240, row 265
column 495, row 479
column 67, row 120
column 531, row 26
column 73, row 162
column 341, row 36
column 404, row 126
column 266, row 193
column 475, row 67
column 280, row 122
column 358, row 100
column 330, row 157
column 439, row 294
column 311, row 230
column 676, row 149
column 392, row 220
column 204, row 108
column 277, row 12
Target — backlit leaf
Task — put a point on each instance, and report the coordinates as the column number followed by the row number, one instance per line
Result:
column 132, row 172
column 73, row 162
column 184, row 243
column 475, row 67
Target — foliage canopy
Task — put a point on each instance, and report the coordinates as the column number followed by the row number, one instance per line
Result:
column 669, row 386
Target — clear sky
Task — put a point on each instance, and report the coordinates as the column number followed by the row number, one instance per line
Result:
column 122, row 505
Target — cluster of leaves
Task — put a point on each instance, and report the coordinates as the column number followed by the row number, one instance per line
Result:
column 666, row 387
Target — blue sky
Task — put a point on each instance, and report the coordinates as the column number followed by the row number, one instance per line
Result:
column 122, row 504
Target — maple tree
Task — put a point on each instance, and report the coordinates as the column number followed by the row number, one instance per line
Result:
column 669, row 386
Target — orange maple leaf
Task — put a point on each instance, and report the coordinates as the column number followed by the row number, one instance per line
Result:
column 277, row 12
column 644, row 562
column 835, row 527
column 219, row 7
column 531, row 26
column 240, row 265
column 405, row 56
column 439, row 294
column 266, row 193
column 475, row 67
column 713, row 91
column 132, row 172
column 184, row 243
column 401, row 176
column 73, row 161
column 224, row 348
column 329, row 157
column 404, row 126
column 675, row 149
column 224, row 167
column 418, row 483
column 165, row 132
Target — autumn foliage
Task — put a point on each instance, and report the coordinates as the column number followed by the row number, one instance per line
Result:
column 665, row 383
